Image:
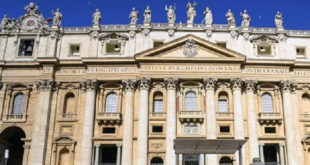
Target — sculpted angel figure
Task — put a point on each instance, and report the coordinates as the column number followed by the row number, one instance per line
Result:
column 97, row 17
column 170, row 14
column 57, row 17
column 230, row 18
column 191, row 13
column 278, row 20
column 7, row 24
column 208, row 16
column 147, row 15
column 245, row 19
column 134, row 16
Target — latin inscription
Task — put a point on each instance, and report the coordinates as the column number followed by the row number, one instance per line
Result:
column 267, row 71
column 190, row 68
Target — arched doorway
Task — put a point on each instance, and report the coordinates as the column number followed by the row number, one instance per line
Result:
column 157, row 161
column 226, row 161
column 64, row 157
column 10, row 139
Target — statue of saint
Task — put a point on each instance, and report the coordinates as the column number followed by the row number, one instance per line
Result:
column 57, row 17
column 170, row 14
column 208, row 16
column 97, row 18
column 134, row 16
column 4, row 22
column 147, row 15
column 278, row 20
column 230, row 19
column 191, row 12
column 245, row 19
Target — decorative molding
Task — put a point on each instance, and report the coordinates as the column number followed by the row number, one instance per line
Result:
column 236, row 83
column 44, row 84
column 171, row 83
column 129, row 85
column 210, row 83
column 287, row 85
column 89, row 84
column 250, row 85
column 144, row 83
column 190, row 48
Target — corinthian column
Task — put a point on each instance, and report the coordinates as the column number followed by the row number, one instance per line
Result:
column 251, row 109
column 129, row 87
column 171, row 84
column 236, row 85
column 89, row 86
column 286, row 87
column 40, row 129
column 144, row 85
column 210, row 115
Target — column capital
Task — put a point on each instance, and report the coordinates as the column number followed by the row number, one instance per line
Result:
column 250, row 85
column 171, row 83
column 287, row 85
column 236, row 83
column 89, row 84
column 210, row 83
column 118, row 145
column 144, row 83
column 44, row 84
column 129, row 85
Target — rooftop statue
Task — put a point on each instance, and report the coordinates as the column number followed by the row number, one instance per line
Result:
column 245, row 19
column 7, row 24
column 208, row 17
column 230, row 19
column 57, row 17
column 170, row 14
column 191, row 12
column 97, row 18
column 147, row 16
column 32, row 9
column 278, row 20
column 134, row 16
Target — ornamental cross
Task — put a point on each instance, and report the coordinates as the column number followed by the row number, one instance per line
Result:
column 190, row 49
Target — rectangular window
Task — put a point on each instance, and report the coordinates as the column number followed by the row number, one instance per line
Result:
column 158, row 106
column 157, row 43
column 157, row 129
column 26, row 47
column 113, row 48
column 264, row 50
column 108, row 130
column 224, row 129
column 301, row 52
column 222, row 44
column 270, row 130
column 75, row 50
column 223, row 106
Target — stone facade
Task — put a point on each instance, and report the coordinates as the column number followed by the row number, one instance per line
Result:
column 122, row 94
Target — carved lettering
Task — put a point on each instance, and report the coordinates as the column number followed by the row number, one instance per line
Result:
column 190, row 68
column 267, row 70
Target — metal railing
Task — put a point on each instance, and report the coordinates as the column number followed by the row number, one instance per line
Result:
column 108, row 114
column 191, row 113
column 15, row 116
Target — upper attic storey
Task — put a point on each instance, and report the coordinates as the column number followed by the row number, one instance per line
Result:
column 34, row 22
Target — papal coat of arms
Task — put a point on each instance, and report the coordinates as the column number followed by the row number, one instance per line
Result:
column 190, row 49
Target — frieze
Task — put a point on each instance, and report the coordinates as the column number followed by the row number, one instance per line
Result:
column 267, row 70
column 191, row 68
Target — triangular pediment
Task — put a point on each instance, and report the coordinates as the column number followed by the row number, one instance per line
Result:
column 190, row 48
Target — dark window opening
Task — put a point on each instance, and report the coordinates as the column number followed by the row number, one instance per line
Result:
column 270, row 154
column 75, row 50
column 225, row 161
column 158, row 43
column 157, row 161
column 224, row 129
column 109, row 130
column 113, row 48
column 108, row 154
column 26, row 48
column 157, row 129
column 264, row 50
column 300, row 51
column 270, row 129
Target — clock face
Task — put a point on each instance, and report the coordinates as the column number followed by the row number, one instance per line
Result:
column 30, row 23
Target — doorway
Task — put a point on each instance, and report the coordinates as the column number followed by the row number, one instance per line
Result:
column 190, row 159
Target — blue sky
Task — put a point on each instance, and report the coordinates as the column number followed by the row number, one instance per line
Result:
column 78, row 12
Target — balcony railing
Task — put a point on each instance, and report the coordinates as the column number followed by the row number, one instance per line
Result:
column 15, row 118
column 67, row 117
column 109, row 117
column 191, row 116
column 270, row 118
column 157, row 115
column 225, row 115
column 305, row 117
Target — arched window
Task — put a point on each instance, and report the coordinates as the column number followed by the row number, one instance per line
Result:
column 18, row 104
column 111, row 103
column 306, row 103
column 190, row 101
column 223, row 102
column 225, row 161
column 267, row 105
column 158, row 103
column 64, row 157
column 69, row 104
column 157, row 161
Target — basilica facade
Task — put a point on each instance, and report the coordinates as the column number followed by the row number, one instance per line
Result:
column 153, row 93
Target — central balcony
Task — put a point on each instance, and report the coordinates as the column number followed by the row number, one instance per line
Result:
column 109, row 118
column 270, row 118
column 191, row 116
column 15, row 118
column 67, row 117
